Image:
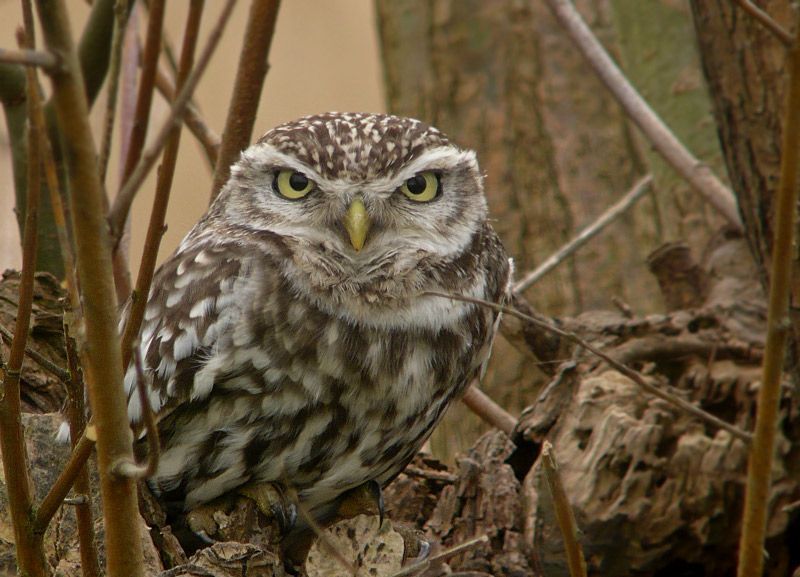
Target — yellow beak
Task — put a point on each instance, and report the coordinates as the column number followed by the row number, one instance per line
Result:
column 356, row 221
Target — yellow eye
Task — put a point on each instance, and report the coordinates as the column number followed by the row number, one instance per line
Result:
column 292, row 185
column 423, row 187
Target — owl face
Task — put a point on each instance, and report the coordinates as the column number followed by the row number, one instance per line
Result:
column 358, row 191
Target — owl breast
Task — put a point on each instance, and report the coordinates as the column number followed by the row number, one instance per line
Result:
column 280, row 388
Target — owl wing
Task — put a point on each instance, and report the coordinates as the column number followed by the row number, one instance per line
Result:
column 191, row 309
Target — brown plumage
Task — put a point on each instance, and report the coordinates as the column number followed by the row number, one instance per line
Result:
column 288, row 338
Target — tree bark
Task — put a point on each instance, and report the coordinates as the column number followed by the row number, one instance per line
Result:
column 745, row 68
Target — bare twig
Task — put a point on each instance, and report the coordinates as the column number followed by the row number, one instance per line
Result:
column 135, row 145
column 158, row 214
column 566, row 519
column 766, row 20
column 144, row 97
column 609, row 216
column 117, row 42
column 762, row 450
column 76, row 417
column 455, row 550
column 250, row 74
column 129, row 468
column 699, row 175
column 29, row 544
column 122, row 204
column 104, row 365
column 27, row 57
column 483, row 406
column 207, row 138
column 315, row 527
column 59, row 211
column 686, row 406
column 81, row 451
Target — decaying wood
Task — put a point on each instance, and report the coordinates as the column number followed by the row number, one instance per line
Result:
column 41, row 391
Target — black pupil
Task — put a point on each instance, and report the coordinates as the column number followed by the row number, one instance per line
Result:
column 298, row 181
column 416, row 184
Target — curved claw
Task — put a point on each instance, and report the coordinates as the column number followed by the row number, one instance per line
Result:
column 377, row 493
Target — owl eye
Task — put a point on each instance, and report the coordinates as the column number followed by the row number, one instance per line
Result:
column 292, row 184
column 422, row 187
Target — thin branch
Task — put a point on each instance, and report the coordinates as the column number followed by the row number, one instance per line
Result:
column 699, row 175
column 28, row 57
column 766, row 20
column 104, row 366
column 483, row 406
column 141, row 122
column 155, row 229
column 315, row 527
column 609, row 216
column 122, row 204
column 29, row 545
column 682, row 404
column 455, row 550
column 81, row 452
column 566, row 519
column 117, row 42
column 144, row 99
column 207, row 138
column 130, row 468
column 762, row 450
column 76, row 417
column 253, row 67
column 59, row 212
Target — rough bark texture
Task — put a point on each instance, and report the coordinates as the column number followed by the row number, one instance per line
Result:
column 41, row 391
column 745, row 69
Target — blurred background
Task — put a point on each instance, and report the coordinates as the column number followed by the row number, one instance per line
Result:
column 324, row 56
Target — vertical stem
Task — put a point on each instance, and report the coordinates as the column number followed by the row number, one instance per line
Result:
column 252, row 70
column 29, row 544
column 76, row 416
column 144, row 101
column 762, row 449
column 155, row 229
column 566, row 518
column 93, row 243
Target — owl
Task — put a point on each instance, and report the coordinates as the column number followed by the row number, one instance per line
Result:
column 291, row 338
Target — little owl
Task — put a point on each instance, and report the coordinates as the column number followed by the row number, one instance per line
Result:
column 292, row 339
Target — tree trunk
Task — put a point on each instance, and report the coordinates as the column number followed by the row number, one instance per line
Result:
column 502, row 78
column 744, row 65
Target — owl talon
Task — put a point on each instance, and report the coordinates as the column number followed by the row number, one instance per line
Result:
column 367, row 498
column 285, row 514
column 375, row 488
column 272, row 501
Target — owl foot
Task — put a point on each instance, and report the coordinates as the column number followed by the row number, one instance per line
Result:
column 255, row 512
column 272, row 501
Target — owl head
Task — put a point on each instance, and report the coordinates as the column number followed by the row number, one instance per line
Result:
column 357, row 199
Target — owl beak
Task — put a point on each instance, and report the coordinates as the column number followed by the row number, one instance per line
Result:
column 356, row 221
